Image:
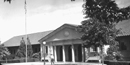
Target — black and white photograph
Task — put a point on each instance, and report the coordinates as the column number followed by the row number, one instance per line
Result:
column 64, row 32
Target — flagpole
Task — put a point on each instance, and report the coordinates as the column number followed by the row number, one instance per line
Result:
column 25, row 26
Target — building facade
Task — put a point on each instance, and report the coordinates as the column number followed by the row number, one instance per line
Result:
column 64, row 44
column 125, row 46
column 14, row 43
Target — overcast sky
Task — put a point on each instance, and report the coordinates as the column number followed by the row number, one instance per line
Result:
column 42, row 15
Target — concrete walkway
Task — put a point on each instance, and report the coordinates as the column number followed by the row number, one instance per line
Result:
column 58, row 63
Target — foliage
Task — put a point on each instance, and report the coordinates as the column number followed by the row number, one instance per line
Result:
column 113, row 53
column 8, row 1
column 9, row 57
column 12, row 56
column 37, row 55
column 97, row 34
column 99, row 27
column 3, row 52
column 29, row 48
column 21, row 52
column 106, row 11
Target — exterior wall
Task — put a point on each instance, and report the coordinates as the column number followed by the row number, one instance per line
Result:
column 36, row 48
column 125, row 52
column 13, row 50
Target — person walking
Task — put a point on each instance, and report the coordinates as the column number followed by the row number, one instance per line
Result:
column 52, row 59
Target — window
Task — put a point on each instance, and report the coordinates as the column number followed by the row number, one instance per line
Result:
column 123, row 46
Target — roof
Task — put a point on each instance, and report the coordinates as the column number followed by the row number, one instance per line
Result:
column 125, row 27
column 34, row 37
column 57, row 30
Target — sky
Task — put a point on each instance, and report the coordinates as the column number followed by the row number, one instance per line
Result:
column 42, row 15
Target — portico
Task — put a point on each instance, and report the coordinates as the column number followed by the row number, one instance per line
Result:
column 64, row 44
column 66, row 52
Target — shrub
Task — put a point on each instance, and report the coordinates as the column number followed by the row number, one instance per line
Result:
column 37, row 55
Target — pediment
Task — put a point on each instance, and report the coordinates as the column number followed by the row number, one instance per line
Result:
column 64, row 32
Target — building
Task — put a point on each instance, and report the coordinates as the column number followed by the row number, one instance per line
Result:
column 125, row 46
column 64, row 43
column 124, row 39
column 14, row 43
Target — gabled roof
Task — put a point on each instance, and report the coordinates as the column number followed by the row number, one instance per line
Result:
column 34, row 37
column 57, row 30
column 125, row 27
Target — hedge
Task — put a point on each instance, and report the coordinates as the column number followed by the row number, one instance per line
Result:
column 117, row 62
column 18, row 60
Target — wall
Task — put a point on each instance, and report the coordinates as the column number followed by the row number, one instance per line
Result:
column 126, row 51
column 13, row 49
column 36, row 48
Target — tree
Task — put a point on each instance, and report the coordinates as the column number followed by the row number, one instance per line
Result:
column 8, row 1
column 97, row 34
column 3, row 52
column 106, row 11
column 29, row 48
column 37, row 55
column 21, row 52
column 99, row 27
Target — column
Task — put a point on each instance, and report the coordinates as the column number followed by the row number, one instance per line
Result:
column 87, row 53
column 41, row 50
column 63, row 49
column 73, row 55
column 83, row 54
column 55, row 54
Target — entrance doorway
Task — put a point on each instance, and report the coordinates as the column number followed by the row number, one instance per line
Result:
column 59, row 53
column 68, row 53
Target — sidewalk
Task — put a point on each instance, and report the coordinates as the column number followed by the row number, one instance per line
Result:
column 57, row 63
